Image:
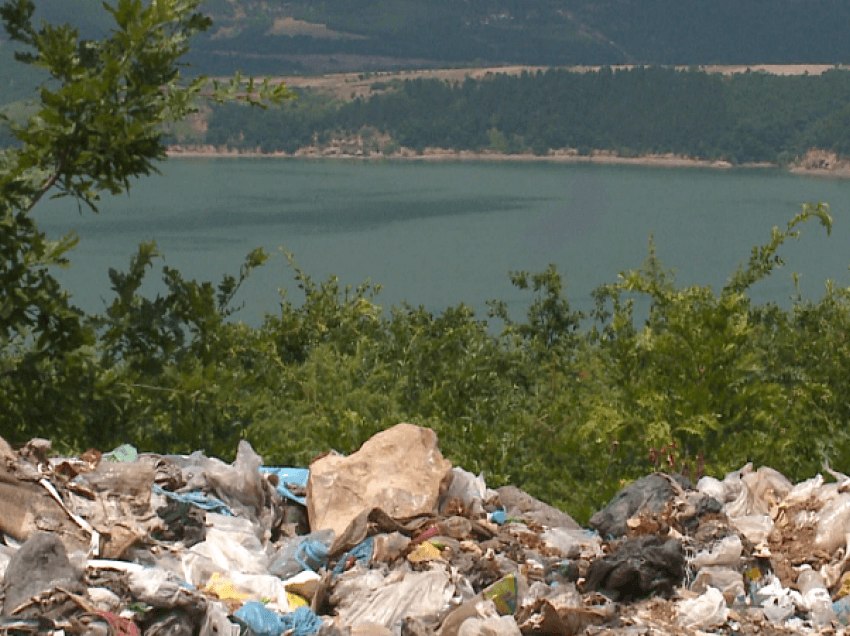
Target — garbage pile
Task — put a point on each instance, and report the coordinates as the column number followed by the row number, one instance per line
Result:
column 395, row 541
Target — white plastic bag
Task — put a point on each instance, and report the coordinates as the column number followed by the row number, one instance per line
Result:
column 216, row 622
column 730, row 582
column 712, row 487
column 704, row 612
column 725, row 553
column 573, row 543
column 833, row 521
column 488, row 623
column 369, row 597
column 754, row 527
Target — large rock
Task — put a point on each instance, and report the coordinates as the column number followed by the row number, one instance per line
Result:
column 399, row 471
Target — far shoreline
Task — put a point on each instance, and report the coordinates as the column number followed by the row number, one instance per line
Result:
column 669, row 160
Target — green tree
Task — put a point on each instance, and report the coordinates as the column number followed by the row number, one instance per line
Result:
column 99, row 123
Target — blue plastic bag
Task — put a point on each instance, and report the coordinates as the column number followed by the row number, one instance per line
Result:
column 261, row 621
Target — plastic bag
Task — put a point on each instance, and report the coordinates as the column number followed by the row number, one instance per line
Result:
column 704, row 612
column 370, row 597
column 730, row 582
column 768, row 486
column 725, row 553
column 833, row 521
column 468, row 490
column 307, row 552
column 779, row 602
column 488, row 623
column 573, row 544
column 389, row 547
column 712, row 487
column 815, row 596
column 158, row 588
column 804, row 491
column 216, row 622
column 231, row 544
column 754, row 527
column 264, row 622
column 739, row 499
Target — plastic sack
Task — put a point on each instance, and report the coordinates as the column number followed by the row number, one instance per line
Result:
column 389, row 547
column 370, row 597
column 768, row 486
column 261, row 621
column 712, row 487
column 399, row 471
column 469, row 491
column 306, row 552
column 804, row 491
column 754, row 527
column 572, row 543
column 833, row 521
column 231, row 545
column 704, row 612
column 779, row 603
column 815, row 596
column 488, row 623
column 725, row 553
column 157, row 587
column 730, row 582
column 216, row 622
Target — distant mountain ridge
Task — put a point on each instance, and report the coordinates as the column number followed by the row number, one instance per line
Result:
column 299, row 36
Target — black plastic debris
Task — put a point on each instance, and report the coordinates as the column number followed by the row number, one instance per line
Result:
column 638, row 568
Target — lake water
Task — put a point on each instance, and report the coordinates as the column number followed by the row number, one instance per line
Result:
column 438, row 234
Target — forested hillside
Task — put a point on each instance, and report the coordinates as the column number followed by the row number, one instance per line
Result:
column 286, row 37
column 742, row 118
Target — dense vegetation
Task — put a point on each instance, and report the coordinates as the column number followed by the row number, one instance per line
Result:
column 746, row 117
column 565, row 406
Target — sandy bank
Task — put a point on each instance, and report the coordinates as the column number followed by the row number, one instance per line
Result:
column 439, row 154
column 814, row 163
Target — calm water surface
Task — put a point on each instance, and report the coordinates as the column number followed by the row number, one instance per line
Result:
column 438, row 234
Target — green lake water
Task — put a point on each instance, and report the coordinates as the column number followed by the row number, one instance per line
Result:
column 438, row 234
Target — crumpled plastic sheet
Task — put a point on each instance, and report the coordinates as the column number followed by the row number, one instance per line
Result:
column 262, row 621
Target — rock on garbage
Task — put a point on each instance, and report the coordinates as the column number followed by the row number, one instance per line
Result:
column 399, row 471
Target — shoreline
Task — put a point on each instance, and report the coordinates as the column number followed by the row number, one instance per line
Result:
column 836, row 170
